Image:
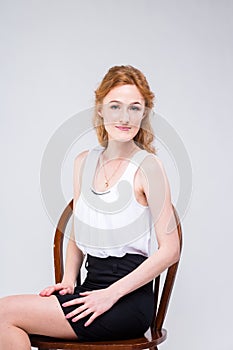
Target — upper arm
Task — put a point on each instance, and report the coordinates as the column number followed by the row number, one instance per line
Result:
column 77, row 178
column 157, row 190
column 77, row 174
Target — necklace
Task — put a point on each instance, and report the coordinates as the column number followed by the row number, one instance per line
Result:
column 107, row 179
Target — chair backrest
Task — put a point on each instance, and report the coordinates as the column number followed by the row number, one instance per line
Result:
column 161, row 304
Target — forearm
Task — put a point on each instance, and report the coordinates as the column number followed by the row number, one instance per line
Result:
column 74, row 259
column 144, row 273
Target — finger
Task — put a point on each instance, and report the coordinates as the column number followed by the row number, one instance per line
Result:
column 47, row 291
column 83, row 314
column 65, row 291
column 58, row 286
column 79, row 310
column 91, row 319
column 42, row 293
column 50, row 291
column 73, row 302
column 85, row 293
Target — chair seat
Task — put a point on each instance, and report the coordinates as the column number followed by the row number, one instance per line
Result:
column 42, row 342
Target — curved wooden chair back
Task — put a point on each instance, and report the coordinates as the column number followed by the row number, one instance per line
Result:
column 157, row 333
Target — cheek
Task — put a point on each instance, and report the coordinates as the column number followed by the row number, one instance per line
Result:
column 110, row 119
column 135, row 130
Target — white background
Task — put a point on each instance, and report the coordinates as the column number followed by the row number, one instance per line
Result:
column 53, row 55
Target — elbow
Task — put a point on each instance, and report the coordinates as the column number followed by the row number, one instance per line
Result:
column 171, row 255
column 174, row 256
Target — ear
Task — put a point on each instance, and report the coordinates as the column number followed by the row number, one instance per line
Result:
column 146, row 112
column 144, row 115
column 99, row 111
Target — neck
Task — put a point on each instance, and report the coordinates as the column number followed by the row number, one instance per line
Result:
column 116, row 149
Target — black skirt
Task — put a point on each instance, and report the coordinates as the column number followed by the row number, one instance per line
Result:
column 129, row 317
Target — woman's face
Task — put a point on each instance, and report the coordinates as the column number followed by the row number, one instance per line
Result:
column 122, row 112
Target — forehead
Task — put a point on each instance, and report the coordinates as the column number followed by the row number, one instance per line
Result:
column 125, row 94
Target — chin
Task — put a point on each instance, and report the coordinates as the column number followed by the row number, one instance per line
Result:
column 123, row 136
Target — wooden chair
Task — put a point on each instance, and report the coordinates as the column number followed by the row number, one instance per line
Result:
column 157, row 333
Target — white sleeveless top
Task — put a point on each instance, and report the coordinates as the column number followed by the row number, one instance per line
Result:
column 112, row 223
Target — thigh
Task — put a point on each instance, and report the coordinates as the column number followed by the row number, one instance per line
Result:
column 36, row 315
column 130, row 317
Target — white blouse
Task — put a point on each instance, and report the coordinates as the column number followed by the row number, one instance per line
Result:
column 112, row 223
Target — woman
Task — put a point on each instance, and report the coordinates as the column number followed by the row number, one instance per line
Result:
column 120, row 194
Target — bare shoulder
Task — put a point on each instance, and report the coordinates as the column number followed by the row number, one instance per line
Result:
column 152, row 177
column 79, row 161
column 152, row 165
column 81, row 157
column 78, row 166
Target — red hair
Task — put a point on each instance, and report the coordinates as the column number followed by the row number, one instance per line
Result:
column 126, row 75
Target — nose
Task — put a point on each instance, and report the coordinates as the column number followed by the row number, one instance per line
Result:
column 124, row 117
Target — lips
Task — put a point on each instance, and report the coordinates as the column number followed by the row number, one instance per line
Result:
column 123, row 128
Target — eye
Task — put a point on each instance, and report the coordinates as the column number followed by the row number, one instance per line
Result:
column 115, row 107
column 135, row 108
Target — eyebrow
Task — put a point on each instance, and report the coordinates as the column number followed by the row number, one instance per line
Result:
column 132, row 103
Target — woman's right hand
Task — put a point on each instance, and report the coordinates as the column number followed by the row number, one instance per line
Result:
column 63, row 288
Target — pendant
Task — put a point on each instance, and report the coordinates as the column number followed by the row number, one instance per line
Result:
column 106, row 184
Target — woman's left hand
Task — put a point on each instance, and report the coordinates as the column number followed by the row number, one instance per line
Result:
column 94, row 302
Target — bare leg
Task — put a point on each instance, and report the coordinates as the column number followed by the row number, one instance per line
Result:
column 21, row 315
